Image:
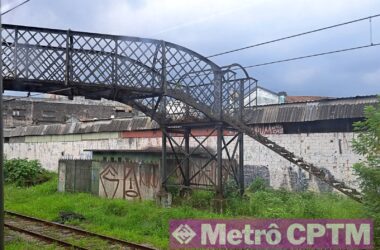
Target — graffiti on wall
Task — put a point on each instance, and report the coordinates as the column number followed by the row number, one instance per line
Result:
column 131, row 186
column 128, row 180
column 149, row 176
column 115, row 173
column 298, row 179
column 269, row 129
column 109, row 180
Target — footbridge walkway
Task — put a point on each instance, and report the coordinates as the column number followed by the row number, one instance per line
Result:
column 177, row 87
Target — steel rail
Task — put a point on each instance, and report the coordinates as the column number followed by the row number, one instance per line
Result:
column 43, row 237
column 131, row 245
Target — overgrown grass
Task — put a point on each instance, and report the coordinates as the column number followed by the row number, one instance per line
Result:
column 141, row 222
column 144, row 222
column 13, row 241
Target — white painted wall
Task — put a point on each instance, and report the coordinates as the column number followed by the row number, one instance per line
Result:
column 322, row 149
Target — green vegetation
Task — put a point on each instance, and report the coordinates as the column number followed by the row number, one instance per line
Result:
column 144, row 222
column 367, row 144
column 263, row 202
column 22, row 244
column 25, row 172
column 15, row 241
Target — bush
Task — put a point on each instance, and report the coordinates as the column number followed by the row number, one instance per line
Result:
column 200, row 199
column 367, row 144
column 23, row 172
column 258, row 184
column 231, row 189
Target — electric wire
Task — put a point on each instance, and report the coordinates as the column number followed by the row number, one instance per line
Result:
column 285, row 38
column 313, row 55
column 15, row 7
column 295, row 35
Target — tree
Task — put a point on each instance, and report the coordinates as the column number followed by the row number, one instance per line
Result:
column 367, row 144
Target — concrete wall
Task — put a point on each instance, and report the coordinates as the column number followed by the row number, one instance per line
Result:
column 332, row 151
column 49, row 152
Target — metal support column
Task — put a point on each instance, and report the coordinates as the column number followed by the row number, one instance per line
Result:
column 187, row 160
column 163, row 161
column 1, row 145
column 219, row 150
column 241, row 163
column 241, row 138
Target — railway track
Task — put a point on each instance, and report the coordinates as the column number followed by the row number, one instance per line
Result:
column 65, row 236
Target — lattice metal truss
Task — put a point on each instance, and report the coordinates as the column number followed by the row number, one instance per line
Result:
column 202, row 167
column 175, row 86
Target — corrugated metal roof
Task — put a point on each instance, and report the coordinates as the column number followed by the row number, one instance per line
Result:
column 115, row 125
column 327, row 109
column 291, row 99
column 340, row 108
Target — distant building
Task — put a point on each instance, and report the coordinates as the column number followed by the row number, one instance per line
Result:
column 262, row 96
column 26, row 111
column 37, row 111
column 266, row 97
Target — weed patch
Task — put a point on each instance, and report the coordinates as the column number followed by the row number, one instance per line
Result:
column 23, row 172
column 145, row 222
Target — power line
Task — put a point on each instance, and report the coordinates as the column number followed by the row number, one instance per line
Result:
column 299, row 57
column 293, row 36
column 15, row 7
column 283, row 38
column 313, row 55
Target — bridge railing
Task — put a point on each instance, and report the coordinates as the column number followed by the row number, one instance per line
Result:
column 145, row 66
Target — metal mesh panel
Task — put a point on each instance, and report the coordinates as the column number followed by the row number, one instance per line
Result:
column 250, row 93
column 231, row 95
column 153, row 71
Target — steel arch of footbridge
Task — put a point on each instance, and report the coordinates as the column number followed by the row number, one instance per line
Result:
column 178, row 88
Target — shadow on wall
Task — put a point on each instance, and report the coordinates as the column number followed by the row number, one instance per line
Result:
column 253, row 172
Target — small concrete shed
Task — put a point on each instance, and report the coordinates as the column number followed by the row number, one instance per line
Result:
column 128, row 174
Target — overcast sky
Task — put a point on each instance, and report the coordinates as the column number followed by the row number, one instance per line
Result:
column 212, row 26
